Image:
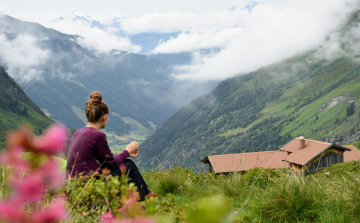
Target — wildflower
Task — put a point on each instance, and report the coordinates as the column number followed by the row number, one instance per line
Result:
column 132, row 199
column 84, row 213
column 107, row 218
column 11, row 210
column 41, row 173
column 12, row 157
column 53, row 140
column 54, row 213
column 50, row 170
column 31, row 189
column 188, row 175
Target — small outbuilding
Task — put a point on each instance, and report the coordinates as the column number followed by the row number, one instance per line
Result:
column 307, row 156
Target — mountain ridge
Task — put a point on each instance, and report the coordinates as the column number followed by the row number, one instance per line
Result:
column 17, row 109
column 264, row 109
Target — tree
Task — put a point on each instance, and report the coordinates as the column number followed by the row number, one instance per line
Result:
column 350, row 110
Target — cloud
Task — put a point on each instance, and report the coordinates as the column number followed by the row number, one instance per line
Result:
column 178, row 22
column 22, row 57
column 268, row 34
column 191, row 41
column 92, row 37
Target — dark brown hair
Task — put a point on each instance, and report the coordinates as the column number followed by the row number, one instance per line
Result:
column 95, row 108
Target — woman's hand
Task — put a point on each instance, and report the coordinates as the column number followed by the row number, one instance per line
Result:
column 133, row 149
column 134, row 154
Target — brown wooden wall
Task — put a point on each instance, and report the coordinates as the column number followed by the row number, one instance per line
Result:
column 327, row 159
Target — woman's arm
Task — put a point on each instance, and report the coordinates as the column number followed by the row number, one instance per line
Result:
column 105, row 156
column 110, row 161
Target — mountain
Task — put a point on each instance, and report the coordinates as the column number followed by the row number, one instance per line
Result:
column 311, row 95
column 16, row 108
column 136, row 87
column 60, row 74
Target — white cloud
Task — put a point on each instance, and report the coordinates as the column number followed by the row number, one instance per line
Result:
column 247, row 40
column 94, row 38
column 178, row 22
column 270, row 33
column 190, row 41
column 22, row 57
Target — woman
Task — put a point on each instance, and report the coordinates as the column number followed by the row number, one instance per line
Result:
column 89, row 150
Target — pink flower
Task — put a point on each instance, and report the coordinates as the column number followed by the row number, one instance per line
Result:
column 30, row 189
column 132, row 199
column 53, row 140
column 108, row 217
column 51, row 173
column 54, row 213
column 11, row 211
column 143, row 220
column 136, row 220
column 13, row 157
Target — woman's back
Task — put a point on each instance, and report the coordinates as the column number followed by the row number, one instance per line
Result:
column 88, row 151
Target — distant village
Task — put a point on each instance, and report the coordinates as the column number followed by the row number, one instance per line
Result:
column 300, row 156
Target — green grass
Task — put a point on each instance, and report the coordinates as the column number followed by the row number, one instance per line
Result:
column 331, row 195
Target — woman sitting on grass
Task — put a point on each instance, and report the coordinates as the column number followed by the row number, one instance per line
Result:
column 89, row 150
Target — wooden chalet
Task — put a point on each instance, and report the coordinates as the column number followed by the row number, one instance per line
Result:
column 307, row 156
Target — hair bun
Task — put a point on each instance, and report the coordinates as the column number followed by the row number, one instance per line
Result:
column 95, row 98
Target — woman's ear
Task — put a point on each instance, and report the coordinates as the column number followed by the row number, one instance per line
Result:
column 105, row 117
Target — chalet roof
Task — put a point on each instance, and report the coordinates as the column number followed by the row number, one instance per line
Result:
column 245, row 161
column 312, row 149
column 354, row 154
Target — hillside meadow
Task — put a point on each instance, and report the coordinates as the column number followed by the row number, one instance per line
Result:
column 260, row 195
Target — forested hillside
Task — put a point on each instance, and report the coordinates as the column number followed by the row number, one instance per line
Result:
column 16, row 108
column 307, row 95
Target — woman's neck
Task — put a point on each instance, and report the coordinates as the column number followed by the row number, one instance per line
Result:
column 96, row 126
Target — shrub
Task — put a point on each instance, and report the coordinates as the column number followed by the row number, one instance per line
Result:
column 292, row 198
column 350, row 191
column 211, row 210
column 172, row 181
column 235, row 186
column 261, row 177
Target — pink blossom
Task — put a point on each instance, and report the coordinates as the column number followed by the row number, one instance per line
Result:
column 11, row 211
column 135, row 220
column 51, row 173
column 53, row 140
column 122, row 210
column 13, row 157
column 54, row 213
column 143, row 220
column 31, row 189
column 108, row 217
column 132, row 199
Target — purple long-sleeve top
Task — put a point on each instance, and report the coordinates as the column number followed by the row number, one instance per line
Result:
column 89, row 151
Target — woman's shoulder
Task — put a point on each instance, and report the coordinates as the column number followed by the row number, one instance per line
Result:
column 92, row 132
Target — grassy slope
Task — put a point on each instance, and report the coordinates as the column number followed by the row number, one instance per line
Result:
column 14, row 101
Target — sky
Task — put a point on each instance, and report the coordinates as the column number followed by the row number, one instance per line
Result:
column 245, row 41
column 122, row 8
